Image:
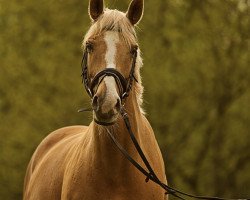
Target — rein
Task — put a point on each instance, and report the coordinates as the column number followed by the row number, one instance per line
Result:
column 150, row 174
column 124, row 86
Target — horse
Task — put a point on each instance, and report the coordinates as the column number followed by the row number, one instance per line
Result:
column 81, row 162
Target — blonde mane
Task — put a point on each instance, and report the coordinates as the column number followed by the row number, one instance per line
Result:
column 114, row 20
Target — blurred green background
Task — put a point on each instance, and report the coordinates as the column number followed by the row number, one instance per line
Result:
column 196, row 75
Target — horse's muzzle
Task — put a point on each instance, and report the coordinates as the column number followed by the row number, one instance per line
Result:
column 105, row 115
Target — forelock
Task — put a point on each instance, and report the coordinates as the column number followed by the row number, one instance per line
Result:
column 113, row 20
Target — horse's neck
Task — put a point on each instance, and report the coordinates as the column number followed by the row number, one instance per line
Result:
column 107, row 156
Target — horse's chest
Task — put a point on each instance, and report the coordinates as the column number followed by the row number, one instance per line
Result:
column 99, row 189
column 96, row 194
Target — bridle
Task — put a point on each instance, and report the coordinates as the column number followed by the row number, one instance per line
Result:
column 125, row 86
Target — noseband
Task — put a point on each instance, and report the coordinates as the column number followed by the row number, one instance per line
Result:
column 124, row 84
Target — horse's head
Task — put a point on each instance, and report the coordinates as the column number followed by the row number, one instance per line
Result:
column 110, row 44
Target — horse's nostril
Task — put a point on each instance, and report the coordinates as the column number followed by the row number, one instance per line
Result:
column 118, row 105
column 95, row 103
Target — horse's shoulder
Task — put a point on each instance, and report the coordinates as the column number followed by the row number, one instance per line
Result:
column 53, row 139
column 62, row 133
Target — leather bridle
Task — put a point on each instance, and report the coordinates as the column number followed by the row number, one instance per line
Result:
column 125, row 86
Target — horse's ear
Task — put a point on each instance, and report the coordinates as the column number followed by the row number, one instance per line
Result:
column 135, row 11
column 96, row 8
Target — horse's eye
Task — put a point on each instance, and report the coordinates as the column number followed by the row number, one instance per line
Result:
column 133, row 50
column 89, row 47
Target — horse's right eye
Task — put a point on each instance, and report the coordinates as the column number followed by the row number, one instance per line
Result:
column 89, row 47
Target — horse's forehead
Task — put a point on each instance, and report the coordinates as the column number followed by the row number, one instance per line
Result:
column 111, row 40
column 111, row 37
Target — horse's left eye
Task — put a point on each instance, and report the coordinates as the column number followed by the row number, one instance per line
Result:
column 89, row 47
column 134, row 49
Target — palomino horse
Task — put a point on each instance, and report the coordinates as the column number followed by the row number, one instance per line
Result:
column 81, row 162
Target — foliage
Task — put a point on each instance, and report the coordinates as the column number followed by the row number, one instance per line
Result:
column 196, row 76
